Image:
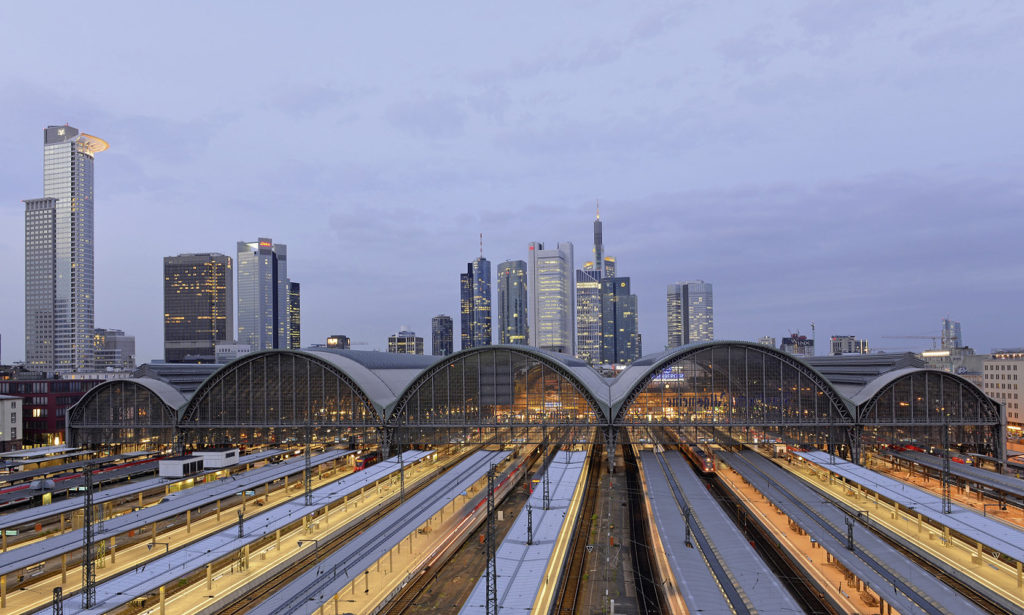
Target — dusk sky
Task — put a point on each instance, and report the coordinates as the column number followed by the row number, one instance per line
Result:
column 855, row 164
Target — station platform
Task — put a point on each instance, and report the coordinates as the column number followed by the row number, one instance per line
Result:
column 149, row 577
column 980, row 551
column 39, row 514
column 897, row 580
column 523, row 566
column 172, row 505
column 349, row 565
column 756, row 586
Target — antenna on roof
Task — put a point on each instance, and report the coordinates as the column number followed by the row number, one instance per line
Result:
column 481, row 245
column 598, row 209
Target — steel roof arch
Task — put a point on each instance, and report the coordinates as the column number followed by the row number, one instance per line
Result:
column 865, row 398
column 172, row 399
column 584, row 378
column 633, row 379
column 370, row 389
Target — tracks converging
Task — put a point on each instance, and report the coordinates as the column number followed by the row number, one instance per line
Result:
column 572, row 579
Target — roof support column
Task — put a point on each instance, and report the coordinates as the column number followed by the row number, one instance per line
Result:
column 385, row 438
column 611, row 433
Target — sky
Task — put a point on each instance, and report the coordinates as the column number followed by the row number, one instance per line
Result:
column 854, row 164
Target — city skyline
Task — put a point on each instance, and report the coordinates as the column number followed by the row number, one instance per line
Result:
column 813, row 122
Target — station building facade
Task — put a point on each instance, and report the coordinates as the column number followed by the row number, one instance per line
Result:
column 716, row 391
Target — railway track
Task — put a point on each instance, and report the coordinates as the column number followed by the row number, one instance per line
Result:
column 924, row 602
column 779, row 559
column 294, row 571
column 405, row 601
column 572, row 577
column 649, row 597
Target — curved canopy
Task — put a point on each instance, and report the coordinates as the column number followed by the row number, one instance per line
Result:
column 583, row 378
column 632, row 381
column 171, row 398
column 948, row 403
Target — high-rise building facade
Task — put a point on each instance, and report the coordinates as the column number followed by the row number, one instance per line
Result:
column 263, row 290
column 691, row 316
column 113, row 350
column 294, row 319
column 476, row 303
column 405, row 342
column 620, row 331
column 552, row 292
column 198, row 304
column 588, row 316
column 339, row 342
column 799, row 345
column 607, row 323
column 441, row 330
column 512, row 297
column 847, row 344
column 951, row 337
column 59, row 256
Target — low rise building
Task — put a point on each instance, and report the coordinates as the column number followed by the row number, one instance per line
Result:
column 10, row 423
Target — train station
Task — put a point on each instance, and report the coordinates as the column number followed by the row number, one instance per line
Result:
column 714, row 477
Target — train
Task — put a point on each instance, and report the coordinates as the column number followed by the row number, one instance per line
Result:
column 366, row 460
column 701, row 459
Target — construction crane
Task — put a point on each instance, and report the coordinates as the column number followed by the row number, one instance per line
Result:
column 934, row 338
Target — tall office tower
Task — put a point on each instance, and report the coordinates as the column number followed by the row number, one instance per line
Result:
column 620, row 331
column 476, row 303
column 847, row 344
column 512, row 298
column 59, row 258
column 339, row 342
column 405, row 342
column 691, row 316
column 263, row 289
column 552, row 307
column 588, row 316
column 951, row 337
column 441, row 335
column 113, row 350
column 198, row 302
column 294, row 320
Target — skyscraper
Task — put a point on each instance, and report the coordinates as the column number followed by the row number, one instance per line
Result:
column 59, row 255
column 198, row 304
column 607, row 324
column 263, row 289
column 294, row 320
column 620, row 331
column 588, row 316
column 951, row 337
column 512, row 296
column 441, row 335
column 476, row 303
column 691, row 316
column 552, row 290
column 114, row 350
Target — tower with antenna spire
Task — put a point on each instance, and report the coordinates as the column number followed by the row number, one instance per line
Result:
column 475, row 304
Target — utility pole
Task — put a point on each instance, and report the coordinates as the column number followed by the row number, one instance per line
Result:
column 547, row 490
column 88, row 537
column 307, row 476
column 529, row 524
column 947, row 504
column 401, row 465
column 58, row 601
column 492, row 565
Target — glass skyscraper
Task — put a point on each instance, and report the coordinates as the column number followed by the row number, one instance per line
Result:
column 441, row 329
column 476, row 303
column 552, row 306
column 512, row 297
column 198, row 303
column 691, row 313
column 294, row 316
column 263, row 295
column 59, row 256
column 620, row 333
column 951, row 337
column 588, row 316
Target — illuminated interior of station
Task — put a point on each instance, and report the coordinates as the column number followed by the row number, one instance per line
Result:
column 724, row 392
